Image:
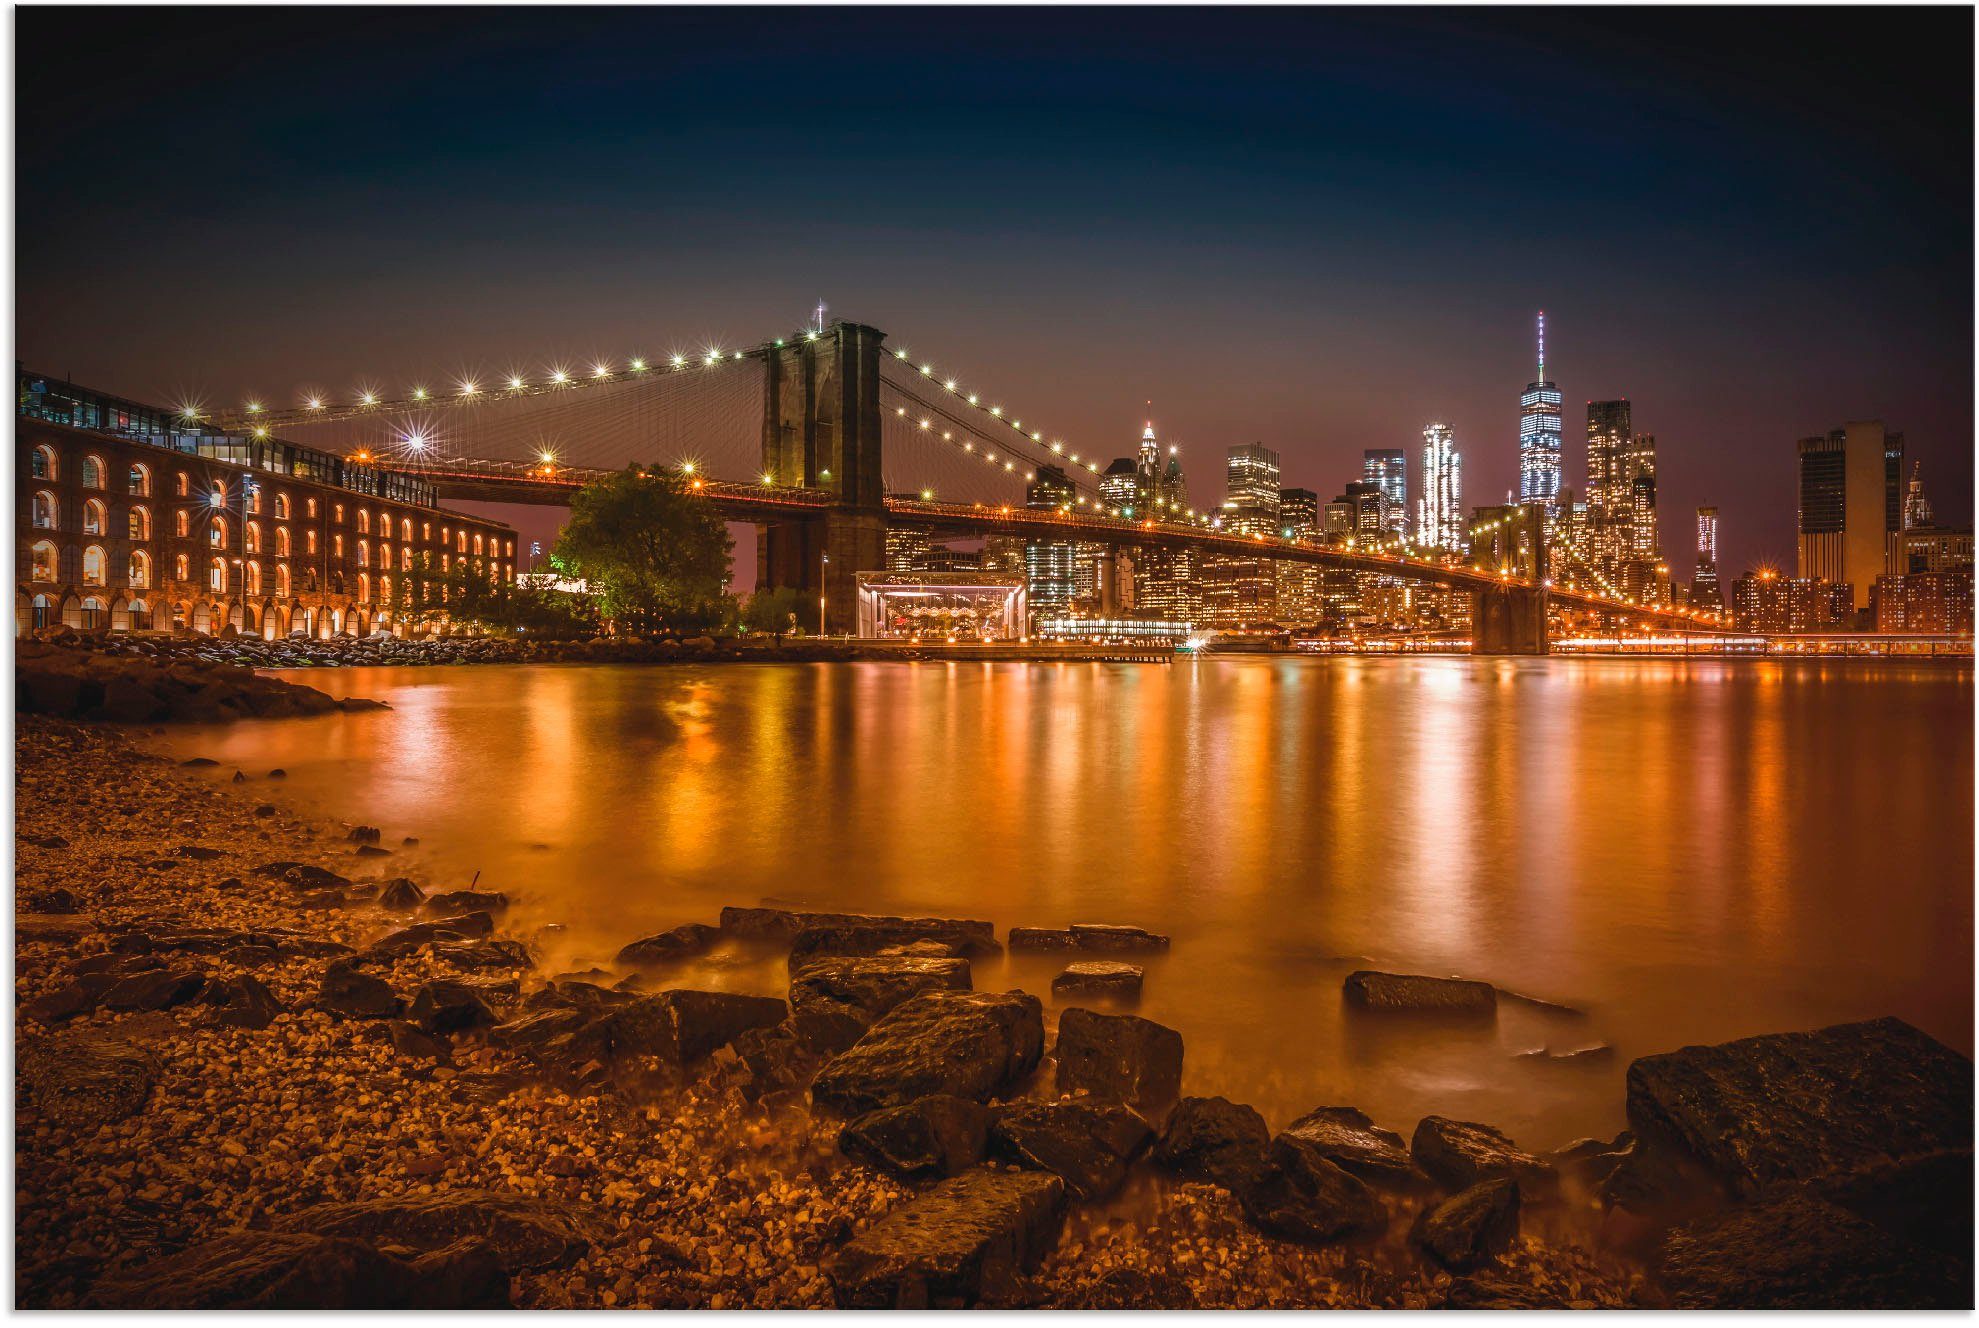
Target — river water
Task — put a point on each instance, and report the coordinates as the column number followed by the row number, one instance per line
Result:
column 1688, row 851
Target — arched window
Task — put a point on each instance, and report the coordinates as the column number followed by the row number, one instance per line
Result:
column 251, row 540
column 93, row 516
column 93, row 614
column 216, row 534
column 253, row 578
column 92, row 472
column 44, row 510
column 310, row 507
column 363, row 522
column 385, row 590
column 216, row 575
column 282, row 580
column 140, row 523
column 281, row 541
column 140, row 479
column 281, row 507
column 254, row 498
column 181, row 524
column 405, row 559
column 384, row 555
column 44, row 561
column 43, row 465
column 364, row 587
column 140, row 569
column 181, row 569
column 508, row 548
column 309, row 541
column 405, row 530
column 182, row 486
column 217, row 495
column 363, row 552
column 93, row 565
column 477, row 546
column 139, row 614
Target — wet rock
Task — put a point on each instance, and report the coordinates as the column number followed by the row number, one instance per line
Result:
column 156, row 990
column 816, row 943
column 684, row 941
column 452, row 903
column 1042, row 938
column 308, row 876
column 970, row 1044
column 199, row 761
column 197, row 852
column 47, row 841
column 364, row 834
column 85, row 1078
column 1099, row 977
column 49, row 930
column 1797, row 1251
column 1302, row 1196
column 243, row 1002
column 1108, row 936
column 69, row 1000
column 1408, row 993
column 1793, row 1106
column 1086, row 1144
column 782, row 924
column 356, row 995
column 414, row 1043
column 523, row 1233
column 271, row 1270
column 264, row 809
column 278, row 773
column 940, row 1135
column 444, row 1006
column 1213, row 1139
column 773, row 1061
column 834, row 1001
column 963, row 1243
column 400, row 895
column 56, row 902
column 1459, row 1154
column 1470, row 1229
column 1589, row 1162
column 1346, row 1137
column 372, row 851
column 411, row 940
column 484, row 954
column 1119, row 1057
column 680, row 1027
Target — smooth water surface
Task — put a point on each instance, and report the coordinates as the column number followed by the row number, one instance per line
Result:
column 1689, row 850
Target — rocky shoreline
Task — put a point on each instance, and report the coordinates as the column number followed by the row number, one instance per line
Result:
column 253, row 1073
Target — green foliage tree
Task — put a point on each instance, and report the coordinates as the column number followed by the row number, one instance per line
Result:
column 457, row 593
column 653, row 552
column 771, row 611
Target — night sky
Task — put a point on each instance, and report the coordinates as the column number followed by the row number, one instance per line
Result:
column 1318, row 230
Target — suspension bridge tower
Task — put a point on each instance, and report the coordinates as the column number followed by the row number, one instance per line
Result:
column 821, row 430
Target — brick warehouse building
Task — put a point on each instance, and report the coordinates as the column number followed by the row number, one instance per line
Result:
column 126, row 521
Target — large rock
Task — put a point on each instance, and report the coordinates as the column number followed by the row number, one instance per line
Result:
column 970, row 1044
column 671, row 946
column 523, row 1232
column 963, row 1243
column 1459, row 1154
column 1794, row 1106
column 280, row 1270
column 782, row 924
column 1214, row 1139
column 1086, row 936
column 941, row 1135
column 355, row 995
column 683, row 1026
column 1302, row 1196
column 1409, row 993
column 847, row 942
column 84, row 1078
column 1099, row 977
column 455, row 902
column 499, row 953
column 243, row 1002
column 1086, row 1144
column 1469, row 1230
column 1799, row 1252
column 445, row 1006
column 1121, row 1057
column 157, row 990
column 1346, row 1137
column 834, row 1001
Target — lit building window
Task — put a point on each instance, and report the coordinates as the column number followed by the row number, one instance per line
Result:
column 42, row 464
column 92, row 472
column 140, row 479
column 44, row 561
column 93, row 565
column 44, row 511
column 140, row 523
column 92, row 516
column 140, row 569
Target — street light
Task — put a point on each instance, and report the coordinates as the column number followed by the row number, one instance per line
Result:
column 824, row 571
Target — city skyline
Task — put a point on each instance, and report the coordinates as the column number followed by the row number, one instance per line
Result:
column 1324, row 293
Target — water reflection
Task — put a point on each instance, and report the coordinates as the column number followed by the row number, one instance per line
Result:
column 1691, row 850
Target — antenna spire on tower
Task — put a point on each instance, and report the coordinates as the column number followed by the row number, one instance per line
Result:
column 1542, row 345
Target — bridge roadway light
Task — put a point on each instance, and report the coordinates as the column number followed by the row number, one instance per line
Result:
column 314, row 403
column 515, row 384
column 639, row 366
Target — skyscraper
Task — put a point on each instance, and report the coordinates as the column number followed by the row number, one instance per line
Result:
column 1118, row 486
column 1440, row 517
column 1704, row 592
column 1539, row 436
column 1849, row 504
column 1610, row 432
column 1386, row 468
column 1916, row 507
column 1048, row 564
column 1298, row 583
column 1643, row 542
column 1239, row 588
column 1252, row 475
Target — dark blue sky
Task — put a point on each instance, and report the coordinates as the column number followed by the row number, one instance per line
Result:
column 1316, row 229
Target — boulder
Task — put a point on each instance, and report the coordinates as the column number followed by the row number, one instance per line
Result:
column 243, row 1002
column 834, row 1001
column 1796, row 1251
column 1346, row 1137
column 1109, row 936
column 1459, row 1154
column 53, row 902
column 444, row 1006
column 680, row 1027
column 1471, row 1229
column 454, row 902
column 690, row 938
column 1042, row 938
column 1587, row 1163
column 1099, row 977
column 484, row 954
column 1302, row 1196
column 411, row 940
column 970, row 1044
column 412, row 1042
column 355, row 995
column 1086, row 1144
column 939, row 1135
column 963, row 1243
column 85, row 1078
column 773, row 1061
column 523, row 1233
column 70, row 999
column 1213, row 1139
column 400, row 895
column 1409, row 993
column 1119, row 1057
column 364, row 834
column 782, row 924
column 156, row 990
column 845, row 942
column 1794, row 1106
column 276, row 1270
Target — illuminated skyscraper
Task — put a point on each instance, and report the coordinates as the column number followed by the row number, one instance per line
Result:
column 1298, row 583
column 1048, row 564
column 1385, row 468
column 1440, row 517
column 1118, row 487
column 1610, row 432
column 1704, row 592
column 1539, row 436
column 1849, row 504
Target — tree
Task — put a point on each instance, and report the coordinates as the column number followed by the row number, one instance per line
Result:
column 458, row 593
column 654, row 552
column 771, row 611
